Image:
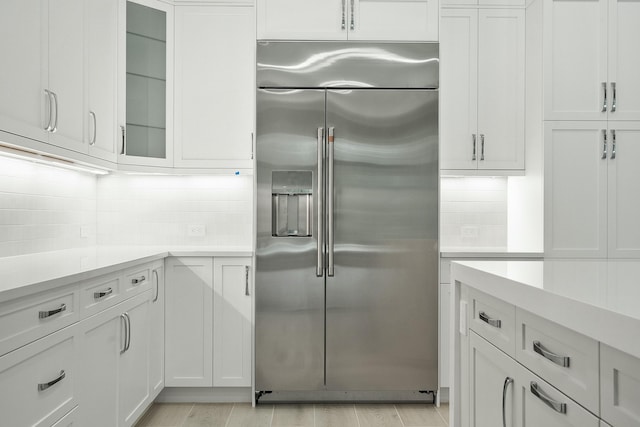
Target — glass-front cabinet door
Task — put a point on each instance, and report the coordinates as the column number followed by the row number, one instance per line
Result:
column 146, row 84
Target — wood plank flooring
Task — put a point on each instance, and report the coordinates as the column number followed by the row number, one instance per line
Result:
column 294, row 415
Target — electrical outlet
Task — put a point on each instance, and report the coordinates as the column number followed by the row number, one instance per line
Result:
column 469, row 232
column 196, row 230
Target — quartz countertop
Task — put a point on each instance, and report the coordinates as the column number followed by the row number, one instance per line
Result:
column 487, row 252
column 597, row 298
column 27, row 274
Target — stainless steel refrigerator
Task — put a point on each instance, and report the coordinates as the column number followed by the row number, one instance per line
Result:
column 347, row 217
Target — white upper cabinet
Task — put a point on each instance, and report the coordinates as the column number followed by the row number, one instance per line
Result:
column 483, row 88
column 215, row 86
column 591, row 61
column 413, row 20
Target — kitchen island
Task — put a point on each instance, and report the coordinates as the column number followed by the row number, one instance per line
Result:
column 553, row 342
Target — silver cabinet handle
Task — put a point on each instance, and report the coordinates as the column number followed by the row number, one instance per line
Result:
column 127, row 332
column 496, row 323
column 507, row 382
column 251, row 145
column 319, row 197
column 124, row 139
column 44, row 386
column 92, row 141
column 246, row 280
column 138, row 280
column 157, row 278
column 55, row 101
column 474, row 144
column 604, row 97
column 330, row 142
column 557, row 406
column 353, row 19
column 613, row 97
column 613, row 144
column 50, row 110
column 45, row 314
column 102, row 294
column 604, row 144
column 558, row 360
column 482, row 146
column 344, row 11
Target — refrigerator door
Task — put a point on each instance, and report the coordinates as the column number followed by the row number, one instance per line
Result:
column 382, row 310
column 289, row 316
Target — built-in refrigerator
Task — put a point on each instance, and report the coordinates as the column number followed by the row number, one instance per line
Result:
column 347, row 218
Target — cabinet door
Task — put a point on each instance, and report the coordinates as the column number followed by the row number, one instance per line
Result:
column 156, row 345
column 101, row 88
column 23, row 76
column 66, row 73
column 492, row 384
column 133, row 372
column 619, row 387
column 302, row 19
column 232, row 322
column 411, row 20
column 575, row 189
column 215, row 86
column 501, row 88
column 624, row 188
column 189, row 322
column 575, row 59
column 459, row 87
column 624, row 61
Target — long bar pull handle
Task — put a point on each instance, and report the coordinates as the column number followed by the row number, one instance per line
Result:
column 604, row 144
column 49, row 110
column 124, row 139
column 124, row 317
column 614, row 97
column 102, row 294
column 251, row 145
column 138, row 280
column 55, row 124
column 496, row 323
column 604, row 97
column 157, row 278
column 319, row 197
column 353, row 13
column 563, row 361
column 92, row 141
column 128, row 343
column 547, row 400
column 44, row 386
column 507, row 382
column 49, row 313
column 246, row 280
column 344, row 17
column 330, row 201
column 613, row 144
column 474, row 143
column 482, row 146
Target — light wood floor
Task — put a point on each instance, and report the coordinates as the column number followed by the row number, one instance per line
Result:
column 294, row 415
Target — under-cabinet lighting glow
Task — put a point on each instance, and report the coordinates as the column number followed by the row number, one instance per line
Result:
column 31, row 156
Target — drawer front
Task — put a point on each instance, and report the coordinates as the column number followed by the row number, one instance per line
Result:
column 561, row 356
column 99, row 294
column 37, row 381
column 619, row 387
column 536, row 412
column 137, row 280
column 69, row 420
column 28, row 319
column 494, row 320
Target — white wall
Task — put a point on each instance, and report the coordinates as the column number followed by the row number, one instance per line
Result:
column 44, row 208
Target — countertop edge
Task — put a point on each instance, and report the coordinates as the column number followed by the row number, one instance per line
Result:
column 496, row 254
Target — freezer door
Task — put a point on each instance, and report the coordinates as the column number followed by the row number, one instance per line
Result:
column 382, row 300
column 289, row 331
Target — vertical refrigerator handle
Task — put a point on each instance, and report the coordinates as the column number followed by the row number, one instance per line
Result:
column 319, row 197
column 330, row 202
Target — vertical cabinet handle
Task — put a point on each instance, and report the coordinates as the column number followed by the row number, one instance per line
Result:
column 563, row 361
column 344, row 18
column 330, row 201
column 157, row 279
column 319, row 197
column 604, row 144
column 92, row 141
column 49, row 110
column 44, row 386
column 251, row 145
column 127, row 332
column 613, row 144
column 604, row 97
column 246, row 280
column 55, row 123
column 547, row 400
column 353, row 13
column 613, row 97
column 507, row 382
column 474, row 145
column 482, row 146
column 124, row 139
column 49, row 313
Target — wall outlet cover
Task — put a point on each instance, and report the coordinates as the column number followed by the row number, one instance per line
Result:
column 469, row 232
column 196, row 230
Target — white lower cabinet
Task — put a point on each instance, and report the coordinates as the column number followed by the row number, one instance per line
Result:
column 619, row 387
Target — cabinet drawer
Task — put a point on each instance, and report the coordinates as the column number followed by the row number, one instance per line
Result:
column 537, row 409
column 619, row 387
column 494, row 320
column 37, row 380
column 26, row 319
column 559, row 355
column 137, row 280
column 99, row 294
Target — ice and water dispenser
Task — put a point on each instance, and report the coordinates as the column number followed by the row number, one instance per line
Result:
column 291, row 203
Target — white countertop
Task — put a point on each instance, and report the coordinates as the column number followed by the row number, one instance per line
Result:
column 28, row 274
column 597, row 298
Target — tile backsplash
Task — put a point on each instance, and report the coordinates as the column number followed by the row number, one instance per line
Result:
column 44, row 208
